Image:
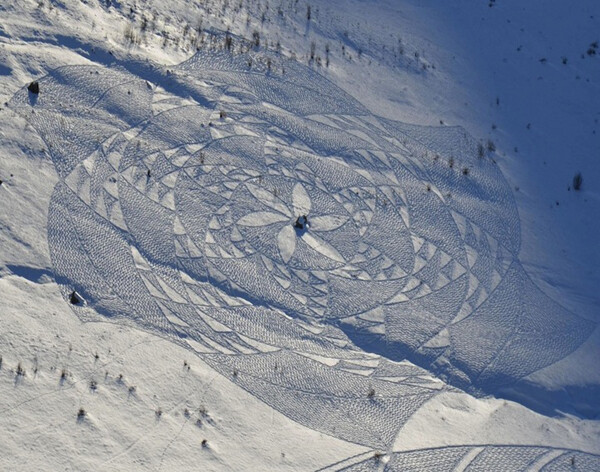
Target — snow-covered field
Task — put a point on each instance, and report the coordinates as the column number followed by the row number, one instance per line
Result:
column 299, row 236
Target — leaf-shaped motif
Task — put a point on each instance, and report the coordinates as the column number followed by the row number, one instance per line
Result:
column 327, row 222
column 301, row 200
column 268, row 198
column 286, row 241
column 322, row 247
column 261, row 218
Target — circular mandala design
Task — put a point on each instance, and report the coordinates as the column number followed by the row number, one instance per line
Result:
column 297, row 230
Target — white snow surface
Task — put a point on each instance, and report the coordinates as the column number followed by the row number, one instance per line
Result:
column 355, row 245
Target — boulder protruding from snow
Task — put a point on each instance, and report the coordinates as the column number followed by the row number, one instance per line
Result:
column 76, row 299
column 34, row 87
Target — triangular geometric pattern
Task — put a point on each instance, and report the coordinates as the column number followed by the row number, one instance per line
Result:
column 306, row 249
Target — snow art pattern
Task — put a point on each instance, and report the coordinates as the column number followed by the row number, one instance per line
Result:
column 300, row 245
column 483, row 458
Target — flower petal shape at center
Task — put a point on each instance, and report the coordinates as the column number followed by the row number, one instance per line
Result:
column 327, row 222
column 300, row 200
column 268, row 198
column 286, row 241
column 322, row 247
column 261, row 218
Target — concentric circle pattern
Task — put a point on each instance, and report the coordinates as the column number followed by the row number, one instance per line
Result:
column 294, row 240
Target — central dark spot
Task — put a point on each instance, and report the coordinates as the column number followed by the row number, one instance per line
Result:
column 34, row 87
column 301, row 222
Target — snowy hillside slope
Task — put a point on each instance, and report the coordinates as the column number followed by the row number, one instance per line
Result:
column 320, row 276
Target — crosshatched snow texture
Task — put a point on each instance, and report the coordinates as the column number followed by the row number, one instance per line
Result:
column 474, row 459
column 181, row 216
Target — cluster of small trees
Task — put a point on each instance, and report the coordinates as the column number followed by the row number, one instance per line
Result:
column 207, row 37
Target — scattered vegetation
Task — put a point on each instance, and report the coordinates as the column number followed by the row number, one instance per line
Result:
column 480, row 151
column 216, row 29
column 132, row 37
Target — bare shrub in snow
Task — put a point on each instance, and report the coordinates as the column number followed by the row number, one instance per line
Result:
column 577, row 181
column 131, row 36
